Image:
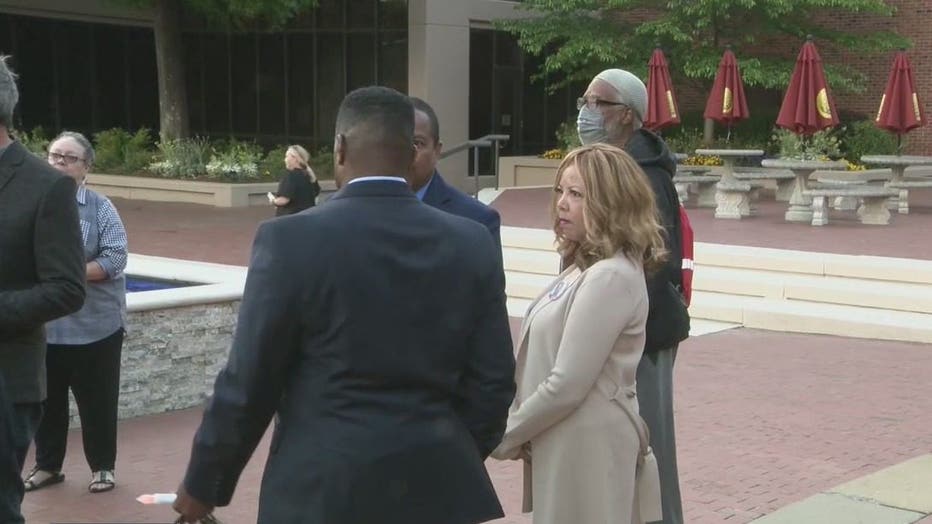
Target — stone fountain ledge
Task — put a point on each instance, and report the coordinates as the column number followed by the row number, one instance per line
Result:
column 177, row 340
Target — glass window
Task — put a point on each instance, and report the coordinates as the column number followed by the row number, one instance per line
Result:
column 331, row 85
column 217, row 83
column 271, row 84
column 393, row 60
column 301, row 84
column 361, row 14
column 143, row 80
column 243, row 87
column 110, row 65
column 33, row 61
column 393, row 14
column 360, row 60
column 6, row 34
column 193, row 60
column 76, row 79
column 329, row 14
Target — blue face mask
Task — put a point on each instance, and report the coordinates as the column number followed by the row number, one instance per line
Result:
column 590, row 126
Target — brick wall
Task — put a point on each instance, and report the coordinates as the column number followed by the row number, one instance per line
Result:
column 912, row 20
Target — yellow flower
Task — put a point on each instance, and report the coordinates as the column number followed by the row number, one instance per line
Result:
column 553, row 154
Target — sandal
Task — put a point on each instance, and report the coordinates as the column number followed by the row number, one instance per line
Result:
column 40, row 478
column 102, row 481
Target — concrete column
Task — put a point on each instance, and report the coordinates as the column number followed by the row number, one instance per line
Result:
column 438, row 67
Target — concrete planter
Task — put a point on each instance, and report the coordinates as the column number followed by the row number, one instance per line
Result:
column 218, row 194
column 526, row 171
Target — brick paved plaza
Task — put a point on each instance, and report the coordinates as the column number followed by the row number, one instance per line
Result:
column 764, row 418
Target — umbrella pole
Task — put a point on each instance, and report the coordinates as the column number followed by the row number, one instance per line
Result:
column 728, row 133
column 899, row 143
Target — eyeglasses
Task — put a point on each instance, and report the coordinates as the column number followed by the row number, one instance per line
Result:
column 66, row 159
column 594, row 103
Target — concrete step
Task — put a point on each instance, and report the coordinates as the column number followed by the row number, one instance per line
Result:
column 879, row 294
column 531, row 261
column 812, row 317
column 526, row 285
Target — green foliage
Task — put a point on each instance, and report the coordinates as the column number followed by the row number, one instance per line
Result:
column 567, row 136
column 182, row 158
column 822, row 145
column 578, row 38
column 685, row 140
column 36, row 141
column 235, row 161
column 322, row 163
column 118, row 151
column 273, row 163
column 864, row 138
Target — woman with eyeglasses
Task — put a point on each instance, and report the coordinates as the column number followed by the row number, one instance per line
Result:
column 84, row 348
column 299, row 188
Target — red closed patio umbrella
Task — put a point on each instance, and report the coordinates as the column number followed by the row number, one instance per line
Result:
column 727, row 103
column 900, row 110
column 661, row 107
column 808, row 106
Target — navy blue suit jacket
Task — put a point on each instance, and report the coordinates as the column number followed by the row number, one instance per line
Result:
column 447, row 198
column 375, row 326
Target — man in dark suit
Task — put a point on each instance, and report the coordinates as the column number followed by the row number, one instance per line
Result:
column 430, row 187
column 41, row 278
column 375, row 327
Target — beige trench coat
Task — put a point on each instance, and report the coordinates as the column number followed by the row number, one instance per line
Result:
column 579, row 349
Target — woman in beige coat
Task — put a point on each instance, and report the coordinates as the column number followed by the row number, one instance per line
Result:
column 576, row 410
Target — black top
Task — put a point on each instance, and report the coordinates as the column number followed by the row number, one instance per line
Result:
column 668, row 320
column 296, row 185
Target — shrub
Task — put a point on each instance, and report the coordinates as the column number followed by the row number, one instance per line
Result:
column 684, row 140
column 118, row 151
column 182, row 158
column 864, row 138
column 821, row 145
column 273, row 164
column 235, row 162
column 35, row 141
column 567, row 136
column 322, row 163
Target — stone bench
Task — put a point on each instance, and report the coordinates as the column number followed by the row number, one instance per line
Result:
column 732, row 200
column 903, row 186
column 873, row 209
column 783, row 178
column 705, row 188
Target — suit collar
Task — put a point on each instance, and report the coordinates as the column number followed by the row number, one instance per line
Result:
column 12, row 158
column 375, row 188
column 438, row 192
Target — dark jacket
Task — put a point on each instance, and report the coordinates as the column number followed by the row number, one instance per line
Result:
column 381, row 339
column 447, row 198
column 668, row 320
column 42, row 269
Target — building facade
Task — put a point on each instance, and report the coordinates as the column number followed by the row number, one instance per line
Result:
column 89, row 65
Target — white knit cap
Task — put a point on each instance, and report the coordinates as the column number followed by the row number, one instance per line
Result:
column 631, row 90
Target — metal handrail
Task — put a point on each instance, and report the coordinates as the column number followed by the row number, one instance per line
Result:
column 490, row 141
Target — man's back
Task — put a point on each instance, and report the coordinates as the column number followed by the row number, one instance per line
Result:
column 41, row 265
column 397, row 353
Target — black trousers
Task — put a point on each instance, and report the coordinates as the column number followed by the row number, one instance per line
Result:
column 17, row 425
column 92, row 372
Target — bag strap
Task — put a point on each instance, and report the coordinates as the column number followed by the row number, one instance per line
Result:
column 636, row 420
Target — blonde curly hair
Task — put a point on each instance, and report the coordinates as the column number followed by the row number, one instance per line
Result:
column 619, row 212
